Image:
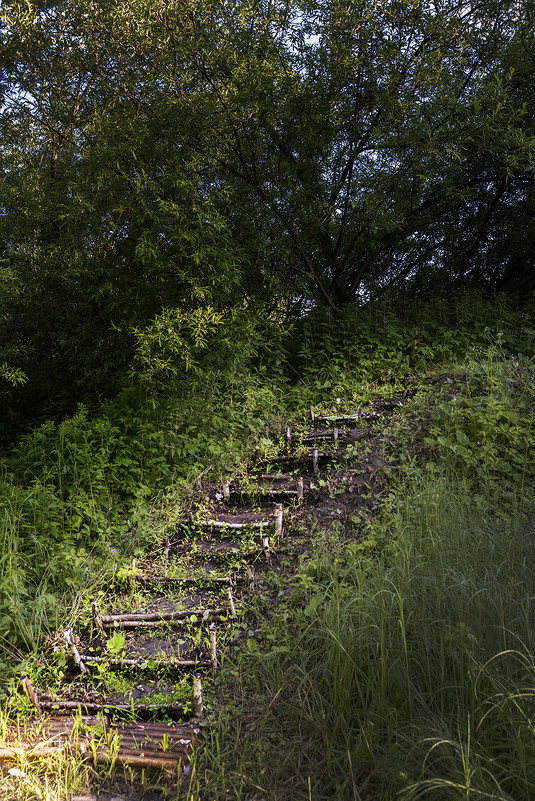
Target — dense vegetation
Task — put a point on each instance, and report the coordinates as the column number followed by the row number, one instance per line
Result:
column 214, row 214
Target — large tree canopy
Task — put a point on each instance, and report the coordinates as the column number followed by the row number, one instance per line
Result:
column 161, row 155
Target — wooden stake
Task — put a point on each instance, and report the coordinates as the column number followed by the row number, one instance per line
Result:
column 197, row 696
column 226, row 489
column 288, row 435
column 250, row 576
column 300, row 488
column 265, row 545
column 30, row 692
column 69, row 639
column 335, row 435
column 213, row 649
column 97, row 617
column 312, row 414
column 166, row 546
column 278, row 519
column 315, row 462
column 231, row 603
column 133, row 564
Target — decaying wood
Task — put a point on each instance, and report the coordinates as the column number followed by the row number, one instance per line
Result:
column 157, row 617
column 31, row 693
column 250, row 576
column 315, row 462
column 226, row 489
column 300, row 488
column 69, row 640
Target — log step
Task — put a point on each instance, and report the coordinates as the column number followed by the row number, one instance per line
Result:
column 142, row 745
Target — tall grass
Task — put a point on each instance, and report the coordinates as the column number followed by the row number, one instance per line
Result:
column 420, row 665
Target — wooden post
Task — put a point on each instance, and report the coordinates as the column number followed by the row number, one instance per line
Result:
column 335, row 435
column 197, row 696
column 166, row 546
column 288, row 435
column 69, row 639
column 312, row 414
column 278, row 518
column 231, row 603
column 265, row 545
column 226, row 489
column 97, row 618
column 315, row 462
column 300, row 489
column 213, row 649
column 30, row 692
column 250, row 576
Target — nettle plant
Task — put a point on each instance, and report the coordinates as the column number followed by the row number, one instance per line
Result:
column 488, row 434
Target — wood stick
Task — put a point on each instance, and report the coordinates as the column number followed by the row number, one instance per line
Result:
column 69, row 639
column 223, row 524
column 213, row 649
column 157, row 616
column 154, row 624
column 97, row 617
column 166, row 547
column 231, row 603
column 30, row 692
column 276, row 476
column 170, row 661
column 265, row 545
column 315, row 462
column 226, row 489
column 197, row 696
column 98, row 707
column 140, row 761
column 250, row 576
column 312, row 414
column 205, row 579
column 278, row 518
column 300, row 488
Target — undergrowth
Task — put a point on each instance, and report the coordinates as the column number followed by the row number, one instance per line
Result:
column 402, row 670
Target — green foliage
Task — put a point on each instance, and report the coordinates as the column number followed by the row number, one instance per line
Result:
column 487, row 434
column 340, row 356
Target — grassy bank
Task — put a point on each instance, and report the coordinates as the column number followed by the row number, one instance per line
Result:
column 408, row 669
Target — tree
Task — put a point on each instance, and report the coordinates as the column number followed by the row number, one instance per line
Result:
column 160, row 158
